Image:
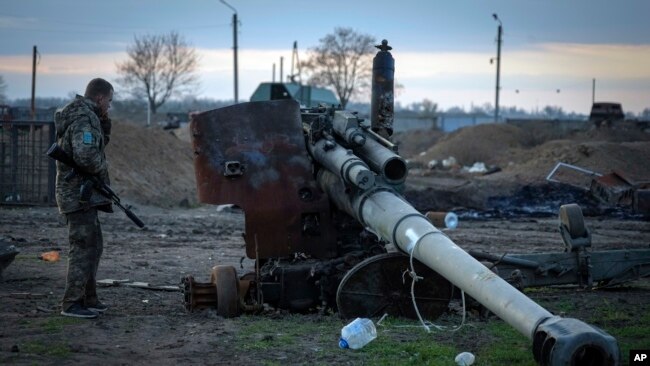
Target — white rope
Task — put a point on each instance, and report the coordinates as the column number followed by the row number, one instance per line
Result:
column 414, row 276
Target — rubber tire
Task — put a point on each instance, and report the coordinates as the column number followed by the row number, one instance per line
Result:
column 571, row 217
column 227, row 283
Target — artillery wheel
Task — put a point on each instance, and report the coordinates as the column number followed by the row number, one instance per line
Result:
column 375, row 286
column 227, row 284
column 571, row 217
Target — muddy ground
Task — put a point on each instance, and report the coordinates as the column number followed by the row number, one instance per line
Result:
column 146, row 326
column 154, row 169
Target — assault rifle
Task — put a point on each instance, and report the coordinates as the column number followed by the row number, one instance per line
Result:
column 90, row 182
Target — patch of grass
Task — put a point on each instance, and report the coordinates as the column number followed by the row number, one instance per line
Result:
column 263, row 333
column 631, row 338
column 59, row 350
column 422, row 349
column 56, row 324
column 633, row 335
column 564, row 306
column 308, row 339
column 25, row 257
column 508, row 347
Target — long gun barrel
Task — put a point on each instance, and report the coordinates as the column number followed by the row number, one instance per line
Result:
column 57, row 153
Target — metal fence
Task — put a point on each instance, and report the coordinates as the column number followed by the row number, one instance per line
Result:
column 27, row 175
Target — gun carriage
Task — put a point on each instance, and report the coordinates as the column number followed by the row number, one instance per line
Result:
column 328, row 228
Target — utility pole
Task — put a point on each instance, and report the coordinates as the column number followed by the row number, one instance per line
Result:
column 34, row 55
column 295, row 62
column 281, row 76
column 593, row 91
column 274, row 72
column 234, row 48
column 496, row 102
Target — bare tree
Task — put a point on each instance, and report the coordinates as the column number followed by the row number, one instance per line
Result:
column 159, row 66
column 3, row 89
column 342, row 60
column 645, row 114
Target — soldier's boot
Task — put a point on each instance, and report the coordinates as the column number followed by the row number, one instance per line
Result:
column 78, row 311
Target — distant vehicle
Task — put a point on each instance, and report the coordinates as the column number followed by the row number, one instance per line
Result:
column 604, row 113
column 308, row 96
column 174, row 120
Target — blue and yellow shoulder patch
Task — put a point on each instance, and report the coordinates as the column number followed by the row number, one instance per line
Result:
column 87, row 138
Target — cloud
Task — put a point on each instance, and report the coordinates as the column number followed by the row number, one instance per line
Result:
column 16, row 22
column 581, row 60
column 63, row 64
column 449, row 78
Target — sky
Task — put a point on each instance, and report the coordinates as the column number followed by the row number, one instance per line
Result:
column 552, row 50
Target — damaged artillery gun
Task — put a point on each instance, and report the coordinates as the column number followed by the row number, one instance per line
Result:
column 320, row 189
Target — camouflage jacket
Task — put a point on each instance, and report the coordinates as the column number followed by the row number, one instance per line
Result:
column 79, row 133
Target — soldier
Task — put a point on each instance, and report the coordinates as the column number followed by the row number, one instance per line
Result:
column 83, row 129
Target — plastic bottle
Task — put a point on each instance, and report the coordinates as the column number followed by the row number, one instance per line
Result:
column 464, row 359
column 451, row 220
column 358, row 333
column 440, row 219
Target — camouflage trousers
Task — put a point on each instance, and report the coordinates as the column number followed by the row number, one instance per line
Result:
column 86, row 246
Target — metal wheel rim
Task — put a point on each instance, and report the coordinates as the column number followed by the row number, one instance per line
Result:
column 376, row 286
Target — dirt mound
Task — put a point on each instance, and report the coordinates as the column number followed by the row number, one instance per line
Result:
column 412, row 143
column 482, row 143
column 151, row 166
column 629, row 158
column 619, row 133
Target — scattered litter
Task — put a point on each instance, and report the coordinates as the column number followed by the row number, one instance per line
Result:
column 447, row 220
column 478, row 167
column 493, row 169
column 357, row 334
column 432, row 164
column 580, row 178
column 111, row 282
column 145, row 301
column 617, row 189
column 52, row 256
column 449, row 162
column 613, row 189
column 147, row 286
column 143, row 285
column 464, row 359
column 227, row 208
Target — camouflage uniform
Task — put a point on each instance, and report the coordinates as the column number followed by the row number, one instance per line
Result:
column 80, row 134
